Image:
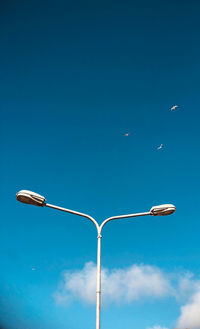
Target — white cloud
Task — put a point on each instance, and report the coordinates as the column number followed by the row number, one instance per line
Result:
column 190, row 313
column 157, row 327
column 118, row 285
column 134, row 283
column 187, row 286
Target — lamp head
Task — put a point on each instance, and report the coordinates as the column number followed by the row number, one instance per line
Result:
column 162, row 210
column 30, row 198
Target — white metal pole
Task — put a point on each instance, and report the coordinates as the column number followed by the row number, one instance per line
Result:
column 98, row 292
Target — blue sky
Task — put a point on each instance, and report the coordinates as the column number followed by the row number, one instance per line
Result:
column 75, row 77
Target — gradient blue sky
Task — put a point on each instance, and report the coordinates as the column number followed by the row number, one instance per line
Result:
column 75, row 77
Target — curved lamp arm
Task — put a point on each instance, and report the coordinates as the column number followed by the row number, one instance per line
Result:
column 123, row 216
column 74, row 212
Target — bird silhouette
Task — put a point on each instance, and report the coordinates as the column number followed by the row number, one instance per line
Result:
column 174, row 107
column 160, row 147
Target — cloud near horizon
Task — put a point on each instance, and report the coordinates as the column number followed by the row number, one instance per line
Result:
column 190, row 313
column 118, row 285
column 130, row 284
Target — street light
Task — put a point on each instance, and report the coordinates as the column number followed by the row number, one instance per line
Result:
column 38, row 200
column 163, row 210
column 30, row 198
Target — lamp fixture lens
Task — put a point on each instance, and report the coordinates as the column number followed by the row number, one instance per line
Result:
column 163, row 210
column 30, row 198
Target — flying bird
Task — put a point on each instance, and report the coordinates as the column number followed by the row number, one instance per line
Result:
column 127, row 134
column 160, row 147
column 174, row 107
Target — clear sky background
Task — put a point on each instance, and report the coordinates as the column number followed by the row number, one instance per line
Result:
column 75, row 77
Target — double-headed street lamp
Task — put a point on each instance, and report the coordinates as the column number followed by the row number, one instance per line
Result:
column 38, row 200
